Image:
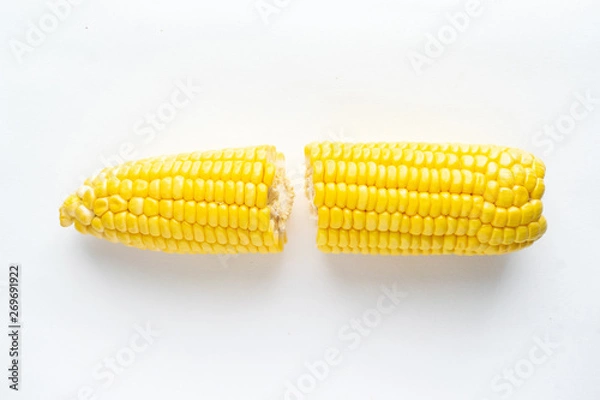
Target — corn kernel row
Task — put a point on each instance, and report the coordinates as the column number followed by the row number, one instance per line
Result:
column 496, row 186
column 229, row 191
column 441, row 224
column 361, row 241
column 469, row 156
column 362, row 197
column 484, row 234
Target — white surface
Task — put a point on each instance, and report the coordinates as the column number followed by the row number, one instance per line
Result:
column 318, row 70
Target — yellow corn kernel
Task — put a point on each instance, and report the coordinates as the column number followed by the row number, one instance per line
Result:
column 253, row 219
column 513, row 218
column 97, row 224
column 219, row 196
column 88, row 197
column 452, row 226
column 143, row 225
column 84, row 215
column 455, row 205
column 500, row 217
column 154, row 189
column 190, row 203
column 213, row 214
column 121, row 221
column 487, row 213
column 188, row 190
column 521, row 196
column 413, row 203
column 189, row 212
column 166, row 188
column 178, row 210
column 405, row 224
column 250, row 194
column 262, row 193
column 165, row 208
column 363, row 197
column 505, row 197
column 233, row 216
column 100, row 206
column 126, row 189
column 108, row 220
column 323, row 217
column 319, row 194
column 116, row 203
column 165, row 227
column 136, row 206
column 372, row 198
column 491, row 191
column 209, row 190
column 538, row 189
column 264, row 217
column 371, row 221
column 359, row 219
column 330, row 194
column 418, row 198
column 336, row 218
column 473, row 228
column 112, row 185
column 153, row 226
column 132, row 223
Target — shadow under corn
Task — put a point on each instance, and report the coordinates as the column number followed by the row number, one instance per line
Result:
column 358, row 269
column 115, row 260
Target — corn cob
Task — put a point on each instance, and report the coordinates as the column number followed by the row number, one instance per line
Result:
column 418, row 198
column 228, row 201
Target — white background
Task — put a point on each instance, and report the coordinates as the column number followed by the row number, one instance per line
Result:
column 240, row 328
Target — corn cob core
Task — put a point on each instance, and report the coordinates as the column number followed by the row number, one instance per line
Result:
column 420, row 198
column 226, row 201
